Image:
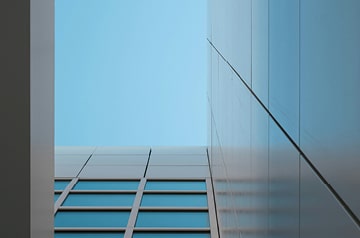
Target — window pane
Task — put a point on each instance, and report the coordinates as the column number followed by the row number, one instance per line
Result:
column 175, row 185
column 174, row 200
column 172, row 219
column 60, row 185
column 171, row 235
column 99, row 200
column 91, row 218
column 88, row 235
column 107, row 185
column 56, row 196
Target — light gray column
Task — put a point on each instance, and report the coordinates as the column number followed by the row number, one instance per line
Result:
column 27, row 118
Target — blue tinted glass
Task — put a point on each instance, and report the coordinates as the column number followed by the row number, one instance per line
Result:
column 91, row 218
column 172, row 219
column 60, row 185
column 99, row 200
column 175, row 185
column 107, row 185
column 88, row 235
column 174, row 200
column 56, row 196
column 171, row 235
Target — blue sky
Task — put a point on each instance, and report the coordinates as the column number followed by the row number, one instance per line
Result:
column 130, row 72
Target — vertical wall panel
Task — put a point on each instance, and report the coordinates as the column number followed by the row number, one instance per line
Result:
column 240, row 163
column 240, row 37
column 321, row 215
column 259, row 54
column 259, row 169
column 233, row 40
column 330, row 112
column 210, row 14
column 283, row 185
column 284, row 64
column 305, row 59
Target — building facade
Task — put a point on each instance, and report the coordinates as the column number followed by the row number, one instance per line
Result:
column 284, row 140
column 284, row 117
column 138, row 192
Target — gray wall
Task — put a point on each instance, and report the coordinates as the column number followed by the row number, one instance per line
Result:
column 284, row 116
column 26, row 99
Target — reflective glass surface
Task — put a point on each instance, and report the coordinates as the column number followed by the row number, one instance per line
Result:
column 60, row 185
column 88, row 235
column 106, row 185
column 175, row 185
column 99, row 200
column 171, row 235
column 91, row 218
column 174, row 200
column 172, row 219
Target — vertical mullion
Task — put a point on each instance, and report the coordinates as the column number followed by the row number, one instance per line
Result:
column 135, row 209
column 64, row 194
column 212, row 212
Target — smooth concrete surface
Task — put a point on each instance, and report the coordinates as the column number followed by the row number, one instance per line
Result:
column 301, row 99
column 27, row 98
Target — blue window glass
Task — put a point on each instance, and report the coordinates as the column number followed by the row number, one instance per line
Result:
column 172, row 219
column 171, row 235
column 60, row 185
column 174, row 200
column 175, row 185
column 91, row 218
column 56, row 196
column 107, row 185
column 99, row 200
column 88, row 235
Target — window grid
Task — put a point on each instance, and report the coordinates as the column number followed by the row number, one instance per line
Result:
column 136, row 208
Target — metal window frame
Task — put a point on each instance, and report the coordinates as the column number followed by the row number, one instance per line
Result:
column 129, row 230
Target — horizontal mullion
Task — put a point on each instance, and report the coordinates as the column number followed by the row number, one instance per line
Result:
column 176, row 179
column 104, row 191
column 92, row 229
column 173, row 209
column 111, row 179
column 94, row 208
column 175, row 191
column 136, row 229
column 63, row 179
column 171, row 229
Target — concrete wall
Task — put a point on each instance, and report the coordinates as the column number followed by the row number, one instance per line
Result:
column 284, row 115
column 26, row 99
